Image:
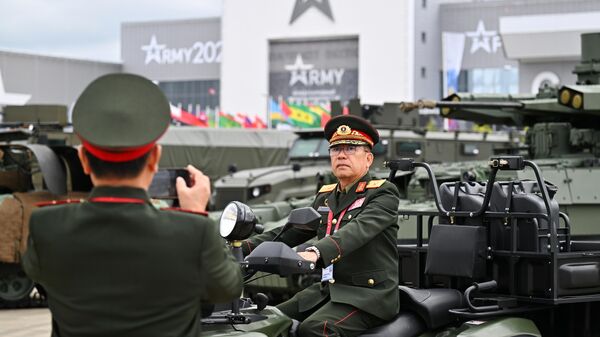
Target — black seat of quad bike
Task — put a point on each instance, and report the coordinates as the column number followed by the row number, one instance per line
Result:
column 405, row 324
column 582, row 245
column 432, row 305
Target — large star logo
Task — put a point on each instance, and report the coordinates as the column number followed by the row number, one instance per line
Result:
column 302, row 6
column 11, row 99
column 153, row 51
column 299, row 71
column 480, row 39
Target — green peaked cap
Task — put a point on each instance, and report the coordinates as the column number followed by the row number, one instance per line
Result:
column 350, row 129
column 121, row 112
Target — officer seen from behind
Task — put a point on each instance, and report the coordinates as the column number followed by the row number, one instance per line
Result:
column 114, row 265
column 356, row 241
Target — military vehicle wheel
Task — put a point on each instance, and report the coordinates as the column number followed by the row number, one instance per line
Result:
column 15, row 285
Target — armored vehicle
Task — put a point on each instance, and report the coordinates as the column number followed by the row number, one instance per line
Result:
column 37, row 164
column 308, row 164
column 563, row 132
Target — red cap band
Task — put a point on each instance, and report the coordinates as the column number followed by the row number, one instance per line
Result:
column 117, row 156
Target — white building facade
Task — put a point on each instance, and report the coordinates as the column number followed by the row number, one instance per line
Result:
column 310, row 51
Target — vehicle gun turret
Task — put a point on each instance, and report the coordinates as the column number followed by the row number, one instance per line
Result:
column 563, row 131
column 563, row 122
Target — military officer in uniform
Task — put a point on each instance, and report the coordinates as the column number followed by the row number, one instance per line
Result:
column 115, row 265
column 356, row 241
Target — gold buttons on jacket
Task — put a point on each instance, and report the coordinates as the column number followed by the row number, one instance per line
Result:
column 349, row 216
column 332, row 281
column 371, row 282
column 334, row 221
column 335, row 259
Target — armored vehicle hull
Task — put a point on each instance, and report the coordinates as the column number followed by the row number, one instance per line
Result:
column 309, row 166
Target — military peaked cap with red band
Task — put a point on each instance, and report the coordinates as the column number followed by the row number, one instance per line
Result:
column 349, row 129
column 119, row 117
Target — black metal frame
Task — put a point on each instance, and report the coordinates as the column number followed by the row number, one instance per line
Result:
column 553, row 257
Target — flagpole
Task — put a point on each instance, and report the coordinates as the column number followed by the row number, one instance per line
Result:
column 269, row 122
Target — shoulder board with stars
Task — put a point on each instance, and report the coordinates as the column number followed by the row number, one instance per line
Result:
column 375, row 183
column 327, row 188
column 58, row 202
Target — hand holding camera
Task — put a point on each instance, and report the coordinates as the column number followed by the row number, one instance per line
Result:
column 190, row 186
column 195, row 196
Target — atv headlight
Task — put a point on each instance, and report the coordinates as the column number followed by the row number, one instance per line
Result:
column 237, row 221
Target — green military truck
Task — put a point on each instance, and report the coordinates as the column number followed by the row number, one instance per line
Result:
column 218, row 151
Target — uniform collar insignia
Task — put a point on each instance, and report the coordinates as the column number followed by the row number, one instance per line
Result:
column 361, row 187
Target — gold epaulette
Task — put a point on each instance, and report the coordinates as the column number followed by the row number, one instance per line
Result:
column 327, row 188
column 375, row 183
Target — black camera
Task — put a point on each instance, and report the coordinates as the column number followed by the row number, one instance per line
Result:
column 163, row 184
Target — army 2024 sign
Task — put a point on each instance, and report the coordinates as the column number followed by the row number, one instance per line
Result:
column 198, row 53
column 313, row 71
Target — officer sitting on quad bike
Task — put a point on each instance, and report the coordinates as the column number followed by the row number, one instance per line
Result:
column 356, row 246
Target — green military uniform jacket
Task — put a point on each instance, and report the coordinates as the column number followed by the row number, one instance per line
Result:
column 363, row 250
column 117, row 266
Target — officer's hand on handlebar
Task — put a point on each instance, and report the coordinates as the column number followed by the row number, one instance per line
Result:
column 310, row 256
column 195, row 197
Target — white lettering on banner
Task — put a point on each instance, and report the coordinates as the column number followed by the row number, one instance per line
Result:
column 198, row 53
column 307, row 75
column 481, row 39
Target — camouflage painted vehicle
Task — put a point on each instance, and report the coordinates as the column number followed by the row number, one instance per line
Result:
column 37, row 164
column 308, row 166
column 562, row 136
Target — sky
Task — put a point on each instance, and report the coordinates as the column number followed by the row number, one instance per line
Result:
column 86, row 29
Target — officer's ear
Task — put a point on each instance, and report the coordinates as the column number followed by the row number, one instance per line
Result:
column 154, row 158
column 369, row 156
column 85, row 164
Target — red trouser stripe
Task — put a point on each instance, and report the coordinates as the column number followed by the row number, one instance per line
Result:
column 325, row 329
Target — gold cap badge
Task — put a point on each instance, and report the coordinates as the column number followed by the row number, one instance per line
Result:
column 343, row 130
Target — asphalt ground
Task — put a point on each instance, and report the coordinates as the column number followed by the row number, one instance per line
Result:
column 25, row 323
